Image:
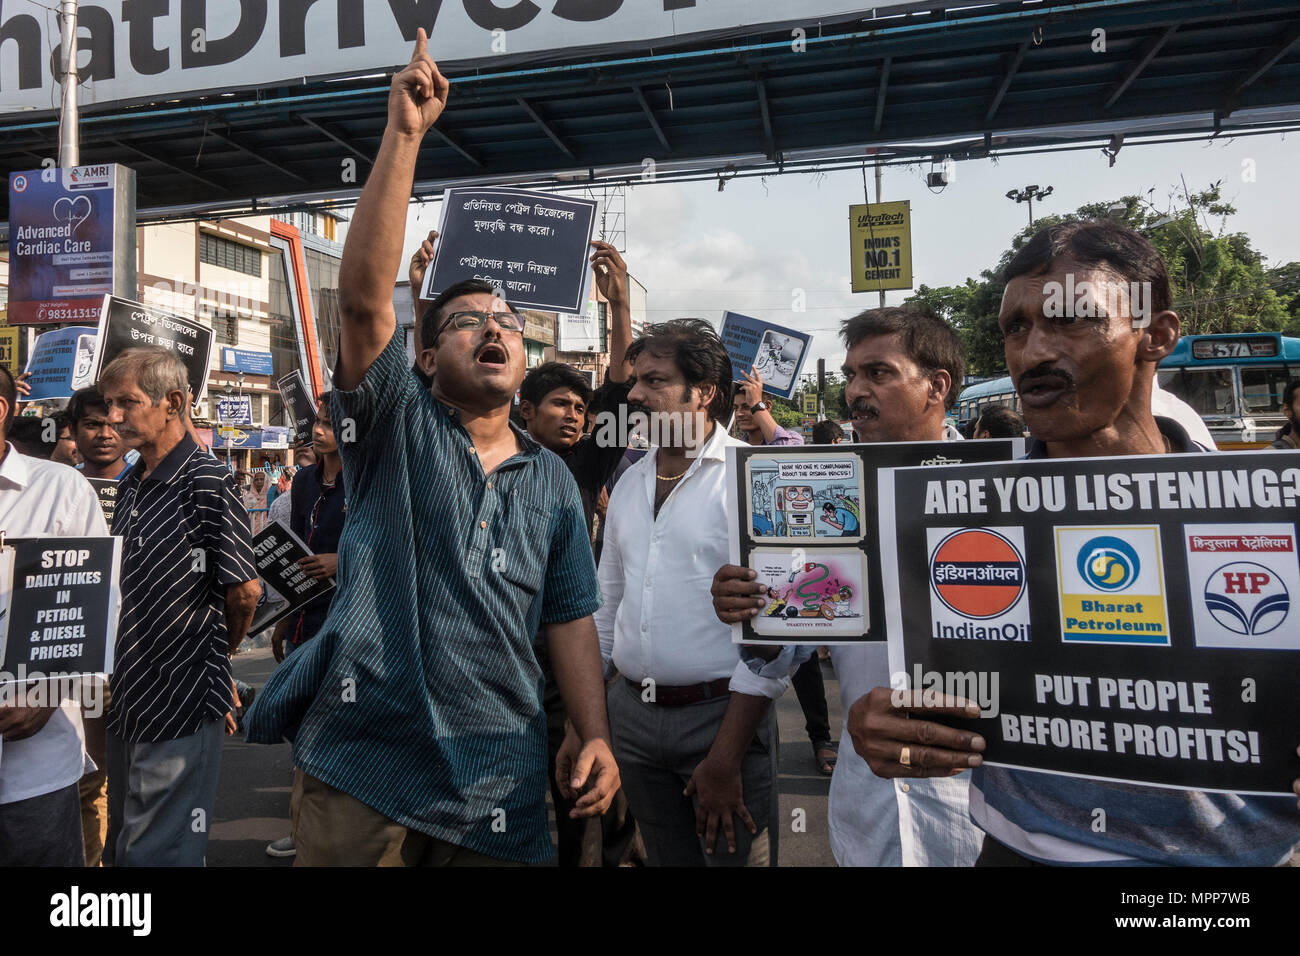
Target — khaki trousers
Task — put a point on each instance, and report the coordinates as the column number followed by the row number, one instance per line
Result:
column 332, row 828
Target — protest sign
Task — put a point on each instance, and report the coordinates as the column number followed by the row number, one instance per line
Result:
column 62, row 361
column 277, row 551
column 801, row 516
column 776, row 352
column 298, row 405
column 59, row 600
column 535, row 247
column 106, row 490
column 1123, row 619
column 125, row 324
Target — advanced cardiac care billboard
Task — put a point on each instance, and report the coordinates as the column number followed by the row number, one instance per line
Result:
column 71, row 242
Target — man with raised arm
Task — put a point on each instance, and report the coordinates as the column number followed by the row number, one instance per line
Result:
column 419, row 734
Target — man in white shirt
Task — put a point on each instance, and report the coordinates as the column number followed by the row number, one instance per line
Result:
column 42, row 749
column 692, row 725
column 902, row 371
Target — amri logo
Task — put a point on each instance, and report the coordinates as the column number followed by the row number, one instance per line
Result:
column 978, row 584
column 1247, row 598
column 20, row 184
column 1109, row 564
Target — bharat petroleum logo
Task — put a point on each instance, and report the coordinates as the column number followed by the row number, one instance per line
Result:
column 1247, row 598
column 20, row 184
column 1108, row 563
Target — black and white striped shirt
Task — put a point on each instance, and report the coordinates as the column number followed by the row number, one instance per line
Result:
column 186, row 539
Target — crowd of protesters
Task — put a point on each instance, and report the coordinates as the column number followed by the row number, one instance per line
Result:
column 523, row 605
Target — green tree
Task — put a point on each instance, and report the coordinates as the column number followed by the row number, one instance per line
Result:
column 1220, row 282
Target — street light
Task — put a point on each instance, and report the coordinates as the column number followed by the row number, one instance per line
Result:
column 1029, row 194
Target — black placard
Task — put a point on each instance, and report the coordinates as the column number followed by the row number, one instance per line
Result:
column 60, row 605
column 277, row 550
column 124, row 324
column 1128, row 619
column 819, row 567
column 106, row 490
column 534, row 246
column 298, row 403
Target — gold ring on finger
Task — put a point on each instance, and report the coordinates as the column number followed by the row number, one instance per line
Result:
column 905, row 757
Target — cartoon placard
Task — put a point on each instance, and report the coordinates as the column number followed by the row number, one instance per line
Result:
column 821, row 592
column 815, row 496
column 803, row 518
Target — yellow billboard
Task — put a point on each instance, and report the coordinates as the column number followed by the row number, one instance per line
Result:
column 809, row 403
column 9, row 348
column 880, row 246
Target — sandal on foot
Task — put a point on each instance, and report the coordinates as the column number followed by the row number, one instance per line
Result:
column 825, row 765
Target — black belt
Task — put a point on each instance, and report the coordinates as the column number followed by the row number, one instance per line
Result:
column 681, row 696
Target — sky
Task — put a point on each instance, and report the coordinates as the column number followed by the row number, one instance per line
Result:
column 701, row 252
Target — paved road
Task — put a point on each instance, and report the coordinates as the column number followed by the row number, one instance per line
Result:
column 253, row 798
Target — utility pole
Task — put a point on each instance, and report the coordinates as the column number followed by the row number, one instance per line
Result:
column 1029, row 194
column 882, row 291
column 69, row 139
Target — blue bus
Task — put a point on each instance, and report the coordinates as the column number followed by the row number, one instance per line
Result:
column 1233, row 381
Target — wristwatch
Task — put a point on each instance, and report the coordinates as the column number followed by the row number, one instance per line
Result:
column 759, row 407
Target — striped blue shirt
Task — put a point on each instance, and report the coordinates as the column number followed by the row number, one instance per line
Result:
column 422, row 696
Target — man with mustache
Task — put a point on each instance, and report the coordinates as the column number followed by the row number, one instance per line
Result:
column 690, row 719
column 416, row 711
column 1085, row 385
column 901, row 371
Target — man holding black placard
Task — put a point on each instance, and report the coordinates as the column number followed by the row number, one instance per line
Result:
column 1085, row 384
column 900, row 371
column 417, row 710
column 189, row 587
column 42, row 756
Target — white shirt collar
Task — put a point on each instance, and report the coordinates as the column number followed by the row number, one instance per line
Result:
column 13, row 469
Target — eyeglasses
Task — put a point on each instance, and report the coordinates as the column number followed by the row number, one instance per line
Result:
column 506, row 321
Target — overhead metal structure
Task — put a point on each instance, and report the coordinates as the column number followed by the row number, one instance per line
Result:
column 1000, row 76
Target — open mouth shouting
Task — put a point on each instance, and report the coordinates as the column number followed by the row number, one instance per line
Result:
column 492, row 355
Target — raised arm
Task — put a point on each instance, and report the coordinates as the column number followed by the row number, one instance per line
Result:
column 372, row 254
column 611, row 280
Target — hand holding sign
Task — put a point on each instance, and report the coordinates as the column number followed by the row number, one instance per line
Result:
column 420, row 261
column 895, row 745
column 319, row 566
column 610, row 271
column 737, row 595
column 418, row 94
column 751, row 389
